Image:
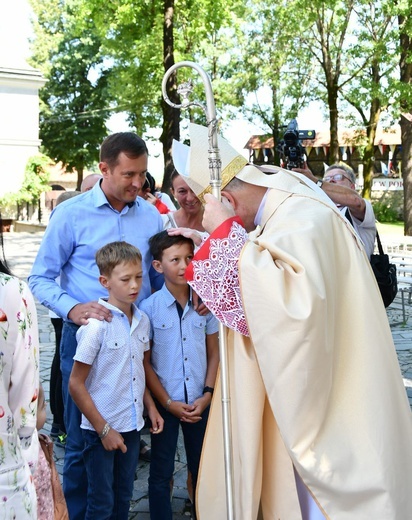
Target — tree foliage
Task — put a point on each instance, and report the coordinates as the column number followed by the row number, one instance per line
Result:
column 100, row 56
column 75, row 99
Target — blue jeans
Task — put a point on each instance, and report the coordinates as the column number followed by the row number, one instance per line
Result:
column 162, row 459
column 110, row 475
column 74, row 471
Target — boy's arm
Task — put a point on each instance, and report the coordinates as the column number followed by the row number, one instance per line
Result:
column 112, row 440
column 153, row 383
column 154, row 415
column 212, row 352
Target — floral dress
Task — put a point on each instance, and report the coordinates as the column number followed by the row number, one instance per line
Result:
column 19, row 382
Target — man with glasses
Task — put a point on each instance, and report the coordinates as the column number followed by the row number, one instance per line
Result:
column 339, row 184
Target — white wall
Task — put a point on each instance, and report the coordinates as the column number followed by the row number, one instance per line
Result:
column 19, row 123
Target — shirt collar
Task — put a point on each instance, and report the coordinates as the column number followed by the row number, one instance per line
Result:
column 170, row 299
column 258, row 217
column 115, row 310
column 100, row 197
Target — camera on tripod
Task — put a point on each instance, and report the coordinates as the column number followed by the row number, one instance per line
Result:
column 290, row 147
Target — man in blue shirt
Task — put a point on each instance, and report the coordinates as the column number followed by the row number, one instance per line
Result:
column 77, row 229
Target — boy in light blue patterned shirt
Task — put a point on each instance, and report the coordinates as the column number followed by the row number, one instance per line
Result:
column 107, row 384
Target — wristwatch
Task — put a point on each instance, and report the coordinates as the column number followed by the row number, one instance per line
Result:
column 319, row 183
column 208, row 389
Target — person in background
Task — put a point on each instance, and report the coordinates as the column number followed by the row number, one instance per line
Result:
column 90, row 181
column 19, row 387
column 161, row 200
column 50, row 499
column 339, row 183
column 58, row 430
column 109, row 357
column 190, row 213
column 76, row 230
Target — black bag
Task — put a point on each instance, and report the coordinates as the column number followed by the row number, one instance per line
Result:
column 385, row 274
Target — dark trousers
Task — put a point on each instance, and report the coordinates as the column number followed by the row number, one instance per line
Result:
column 162, row 460
column 110, row 475
column 56, row 393
column 74, row 470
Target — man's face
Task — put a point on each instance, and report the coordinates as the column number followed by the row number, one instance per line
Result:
column 338, row 176
column 122, row 183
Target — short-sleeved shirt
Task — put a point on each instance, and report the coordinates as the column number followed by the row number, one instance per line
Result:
column 178, row 351
column 116, row 381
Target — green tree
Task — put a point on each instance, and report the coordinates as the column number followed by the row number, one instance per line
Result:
column 141, row 40
column 375, row 53
column 75, row 97
column 273, row 61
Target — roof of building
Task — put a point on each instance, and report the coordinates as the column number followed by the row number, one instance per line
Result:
column 384, row 136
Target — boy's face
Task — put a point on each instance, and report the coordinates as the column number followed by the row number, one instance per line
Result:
column 173, row 264
column 123, row 284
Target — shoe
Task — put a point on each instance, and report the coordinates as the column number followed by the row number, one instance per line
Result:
column 145, row 451
column 55, row 431
column 61, row 440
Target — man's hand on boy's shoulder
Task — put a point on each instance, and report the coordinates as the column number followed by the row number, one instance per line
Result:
column 114, row 441
column 81, row 313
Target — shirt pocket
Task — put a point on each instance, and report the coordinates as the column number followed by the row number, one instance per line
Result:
column 163, row 331
column 198, row 331
column 114, row 344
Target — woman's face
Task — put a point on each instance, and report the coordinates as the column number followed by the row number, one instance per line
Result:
column 185, row 197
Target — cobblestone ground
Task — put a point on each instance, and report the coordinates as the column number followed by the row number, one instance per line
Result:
column 20, row 250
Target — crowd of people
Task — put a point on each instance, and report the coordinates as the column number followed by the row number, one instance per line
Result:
column 137, row 287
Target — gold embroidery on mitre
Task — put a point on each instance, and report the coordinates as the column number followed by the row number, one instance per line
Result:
column 231, row 170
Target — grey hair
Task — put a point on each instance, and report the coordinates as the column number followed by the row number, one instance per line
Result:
column 234, row 185
column 344, row 167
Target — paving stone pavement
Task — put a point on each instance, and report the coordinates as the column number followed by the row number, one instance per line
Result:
column 20, row 250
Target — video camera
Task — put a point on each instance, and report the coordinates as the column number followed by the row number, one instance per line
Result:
column 290, row 148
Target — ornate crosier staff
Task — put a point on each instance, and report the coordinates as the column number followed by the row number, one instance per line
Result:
column 185, row 89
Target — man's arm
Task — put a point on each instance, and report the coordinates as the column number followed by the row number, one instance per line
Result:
column 77, row 388
column 340, row 195
column 55, row 250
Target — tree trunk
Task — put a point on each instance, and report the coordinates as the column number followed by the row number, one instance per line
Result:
column 369, row 154
column 333, row 156
column 406, row 126
column 406, row 161
column 80, row 172
column 171, row 116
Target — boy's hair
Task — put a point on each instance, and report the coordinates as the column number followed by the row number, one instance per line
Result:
column 115, row 253
column 127, row 142
column 161, row 241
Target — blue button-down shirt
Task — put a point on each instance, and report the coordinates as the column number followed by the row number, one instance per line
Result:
column 116, row 381
column 77, row 229
column 178, row 352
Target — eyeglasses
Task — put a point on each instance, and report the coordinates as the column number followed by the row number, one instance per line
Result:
column 336, row 177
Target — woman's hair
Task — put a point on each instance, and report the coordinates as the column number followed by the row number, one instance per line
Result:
column 4, row 268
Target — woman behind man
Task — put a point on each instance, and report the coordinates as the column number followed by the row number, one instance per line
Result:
column 19, row 383
column 190, row 212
